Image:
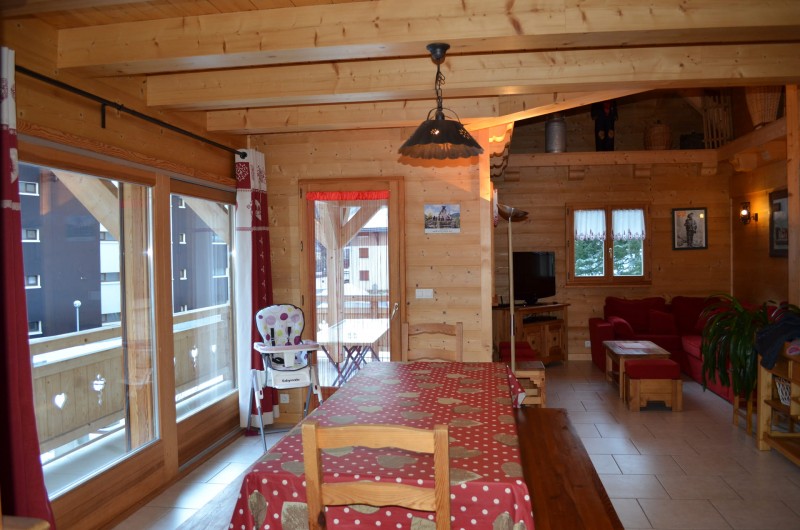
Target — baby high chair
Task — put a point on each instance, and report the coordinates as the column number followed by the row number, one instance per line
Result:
column 285, row 355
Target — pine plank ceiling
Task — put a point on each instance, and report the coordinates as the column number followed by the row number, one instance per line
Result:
column 270, row 66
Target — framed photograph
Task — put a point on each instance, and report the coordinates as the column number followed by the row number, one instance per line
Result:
column 442, row 218
column 689, row 231
column 779, row 223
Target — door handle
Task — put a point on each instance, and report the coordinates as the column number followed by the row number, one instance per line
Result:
column 395, row 307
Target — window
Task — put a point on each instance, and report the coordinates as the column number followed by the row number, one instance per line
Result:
column 35, row 327
column 363, row 252
column 28, row 188
column 608, row 244
column 181, row 203
column 30, row 235
column 85, row 427
column 363, row 276
column 202, row 310
column 106, row 236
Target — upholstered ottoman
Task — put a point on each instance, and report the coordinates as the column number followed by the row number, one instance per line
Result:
column 653, row 380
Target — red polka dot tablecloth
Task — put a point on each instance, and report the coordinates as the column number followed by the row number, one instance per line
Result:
column 487, row 490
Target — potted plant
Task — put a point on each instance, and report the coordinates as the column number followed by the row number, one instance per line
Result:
column 729, row 337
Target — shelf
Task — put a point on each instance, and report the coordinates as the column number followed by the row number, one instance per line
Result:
column 777, row 406
column 788, row 445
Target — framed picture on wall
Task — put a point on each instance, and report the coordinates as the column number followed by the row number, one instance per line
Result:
column 779, row 223
column 689, row 230
column 442, row 218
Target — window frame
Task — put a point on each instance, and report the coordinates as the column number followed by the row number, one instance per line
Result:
column 608, row 278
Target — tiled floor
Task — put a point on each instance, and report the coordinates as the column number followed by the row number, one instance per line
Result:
column 662, row 470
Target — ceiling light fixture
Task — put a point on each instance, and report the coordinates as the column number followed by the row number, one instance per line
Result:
column 440, row 138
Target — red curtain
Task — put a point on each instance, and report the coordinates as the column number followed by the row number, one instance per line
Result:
column 253, row 272
column 21, row 478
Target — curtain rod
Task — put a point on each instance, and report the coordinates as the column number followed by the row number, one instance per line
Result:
column 122, row 108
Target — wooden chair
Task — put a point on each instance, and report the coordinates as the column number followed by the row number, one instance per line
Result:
column 320, row 493
column 456, row 331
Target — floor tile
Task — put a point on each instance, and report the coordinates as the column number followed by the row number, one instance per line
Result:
column 709, row 464
column 681, row 514
column 605, row 464
column 648, row 465
column 757, row 514
column 586, row 430
column 187, row 495
column 630, row 513
column 609, row 446
column 695, row 487
column 622, row 430
column 665, row 446
column 633, row 487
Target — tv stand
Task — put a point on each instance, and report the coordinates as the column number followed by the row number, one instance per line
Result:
column 543, row 326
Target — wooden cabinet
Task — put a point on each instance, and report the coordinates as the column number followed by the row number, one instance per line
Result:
column 543, row 327
column 781, row 438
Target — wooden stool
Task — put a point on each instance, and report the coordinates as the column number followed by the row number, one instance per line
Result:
column 531, row 376
column 653, row 380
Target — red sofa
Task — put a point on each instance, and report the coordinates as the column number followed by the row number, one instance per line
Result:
column 675, row 326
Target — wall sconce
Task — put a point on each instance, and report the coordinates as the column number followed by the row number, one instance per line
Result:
column 746, row 214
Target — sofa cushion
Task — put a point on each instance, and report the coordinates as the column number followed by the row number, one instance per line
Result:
column 691, row 345
column 662, row 323
column 622, row 329
column 635, row 312
column 687, row 311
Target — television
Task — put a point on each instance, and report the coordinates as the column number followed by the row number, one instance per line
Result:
column 534, row 276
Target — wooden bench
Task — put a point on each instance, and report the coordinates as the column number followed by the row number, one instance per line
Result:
column 566, row 491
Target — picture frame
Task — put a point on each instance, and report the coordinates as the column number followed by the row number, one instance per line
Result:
column 779, row 223
column 689, row 229
column 442, row 218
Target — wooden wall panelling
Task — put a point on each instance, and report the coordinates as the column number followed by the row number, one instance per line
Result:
column 793, row 184
column 450, row 264
column 52, row 113
column 544, row 191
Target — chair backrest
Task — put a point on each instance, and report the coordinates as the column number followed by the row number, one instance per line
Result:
column 320, row 493
column 453, row 333
column 281, row 325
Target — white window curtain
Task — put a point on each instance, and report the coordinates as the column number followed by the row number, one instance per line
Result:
column 590, row 225
column 253, row 277
column 627, row 225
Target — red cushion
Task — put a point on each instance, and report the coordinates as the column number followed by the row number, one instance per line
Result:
column 622, row 330
column 662, row 323
column 691, row 345
column 635, row 312
column 522, row 352
column 653, row 369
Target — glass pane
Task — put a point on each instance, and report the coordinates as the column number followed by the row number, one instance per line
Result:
column 352, row 285
column 201, row 298
column 90, row 323
column 628, row 258
column 589, row 260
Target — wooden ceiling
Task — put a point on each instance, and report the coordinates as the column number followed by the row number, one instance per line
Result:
column 267, row 66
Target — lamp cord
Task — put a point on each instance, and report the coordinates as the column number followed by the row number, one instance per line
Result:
column 438, row 88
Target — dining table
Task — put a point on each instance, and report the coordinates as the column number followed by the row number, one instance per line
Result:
column 476, row 401
column 357, row 338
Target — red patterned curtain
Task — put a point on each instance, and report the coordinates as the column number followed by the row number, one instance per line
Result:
column 253, row 274
column 21, row 478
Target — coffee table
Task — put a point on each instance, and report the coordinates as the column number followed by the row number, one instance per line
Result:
column 622, row 350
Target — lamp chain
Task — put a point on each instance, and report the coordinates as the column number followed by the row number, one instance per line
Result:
column 438, row 88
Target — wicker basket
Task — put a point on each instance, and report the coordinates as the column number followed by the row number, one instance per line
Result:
column 784, row 388
column 762, row 102
column 657, row 136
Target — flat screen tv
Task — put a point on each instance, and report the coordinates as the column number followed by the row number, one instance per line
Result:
column 534, row 276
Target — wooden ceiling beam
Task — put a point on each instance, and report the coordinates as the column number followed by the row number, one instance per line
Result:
column 398, row 28
column 474, row 113
column 479, row 75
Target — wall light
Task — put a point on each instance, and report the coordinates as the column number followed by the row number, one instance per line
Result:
column 745, row 215
column 438, row 137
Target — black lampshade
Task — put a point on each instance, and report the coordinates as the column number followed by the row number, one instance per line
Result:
column 440, row 138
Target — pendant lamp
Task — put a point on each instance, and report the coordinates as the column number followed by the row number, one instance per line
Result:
column 438, row 137
column 511, row 214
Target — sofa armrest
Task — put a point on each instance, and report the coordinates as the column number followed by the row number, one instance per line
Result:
column 599, row 330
